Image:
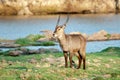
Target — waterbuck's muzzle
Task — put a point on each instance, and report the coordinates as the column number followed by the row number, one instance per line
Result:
column 54, row 35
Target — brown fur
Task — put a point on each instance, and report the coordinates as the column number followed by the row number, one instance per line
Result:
column 72, row 44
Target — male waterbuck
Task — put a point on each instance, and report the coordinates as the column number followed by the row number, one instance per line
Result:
column 71, row 44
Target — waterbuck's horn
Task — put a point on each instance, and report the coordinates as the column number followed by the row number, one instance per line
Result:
column 67, row 20
column 2, row 1
column 58, row 20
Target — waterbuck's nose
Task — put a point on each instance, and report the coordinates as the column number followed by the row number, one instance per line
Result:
column 53, row 34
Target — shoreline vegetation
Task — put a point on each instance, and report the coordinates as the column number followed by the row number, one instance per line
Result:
column 17, row 47
column 46, row 39
column 40, row 7
column 103, row 65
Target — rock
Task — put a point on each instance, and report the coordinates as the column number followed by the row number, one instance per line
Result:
column 28, row 7
column 3, row 61
column 60, row 59
column 49, row 60
column 98, row 36
column 43, row 40
column 25, row 11
column 46, row 65
column 107, row 66
column 37, row 66
column 15, row 53
column 33, row 51
column 10, row 62
column 29, row 70
column 33, row 61
column 96, row 60
column 9, row 45
column 24, row 50
column 115, row 37
column 24, row 75
column 42, row 50
column 47, row 33
column 53, row 50
column 101, row 35
column 107, row 75
column 54, row 61
column 52, row 6
column 102, row 32
column 50, row 50
column 48, row 36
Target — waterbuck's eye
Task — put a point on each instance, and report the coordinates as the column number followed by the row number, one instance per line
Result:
column 59, row 29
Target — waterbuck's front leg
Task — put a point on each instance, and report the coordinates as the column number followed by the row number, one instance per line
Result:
column 66, row 58
column 70, row 58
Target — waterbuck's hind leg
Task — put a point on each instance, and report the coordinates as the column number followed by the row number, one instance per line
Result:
column 84, row 64
column 73, row 63
column 84, row 60
column 79, row 59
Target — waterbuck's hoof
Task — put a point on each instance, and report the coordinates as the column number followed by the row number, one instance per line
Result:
column 84, row 69
column 66, row 66
column 78, row 68
column 72, row 67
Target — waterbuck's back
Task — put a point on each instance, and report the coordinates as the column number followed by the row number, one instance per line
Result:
column 75, row 42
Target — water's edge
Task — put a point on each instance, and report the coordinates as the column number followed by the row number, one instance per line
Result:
column 12, row 27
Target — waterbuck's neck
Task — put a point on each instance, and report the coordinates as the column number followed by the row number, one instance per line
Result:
column 62, row 38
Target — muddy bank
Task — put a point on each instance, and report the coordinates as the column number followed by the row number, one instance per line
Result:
column 37, row 7
column 101, row 35
column 25, row 51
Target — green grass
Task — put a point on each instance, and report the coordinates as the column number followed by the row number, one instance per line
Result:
column 28, row 40
column 32, row 40
column 47, row 43
column 33, row 37
column 23, row 41
column 104, row 65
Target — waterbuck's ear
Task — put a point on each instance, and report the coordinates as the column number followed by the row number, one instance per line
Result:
column 64, row 25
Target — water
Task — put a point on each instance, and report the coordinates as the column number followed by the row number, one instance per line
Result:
column 100, row 45
column 91, row 46
column 12, row 27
